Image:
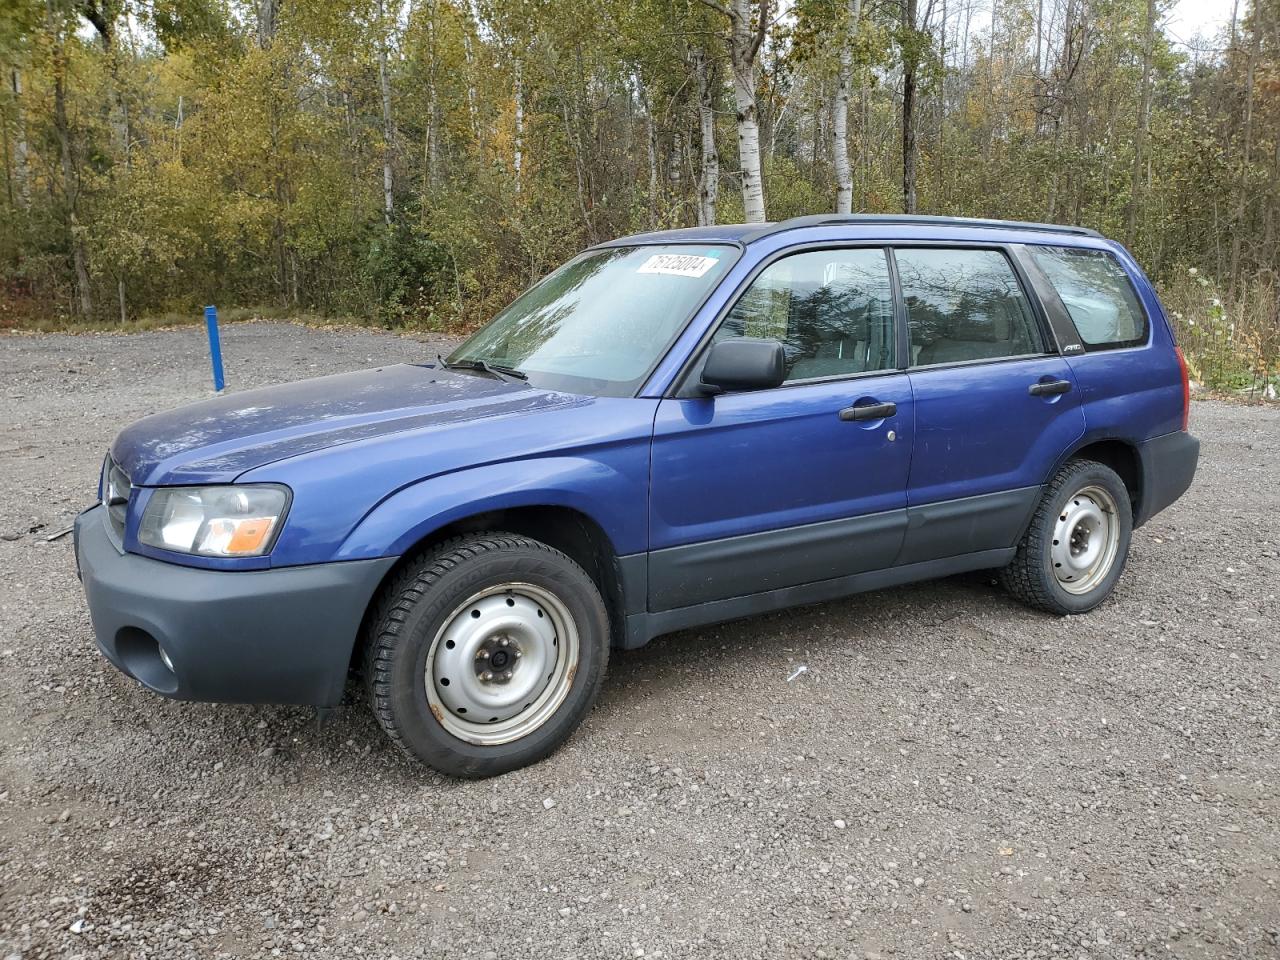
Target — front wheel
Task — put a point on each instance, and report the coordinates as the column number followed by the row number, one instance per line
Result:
column 485, row 653
column 1077, row 543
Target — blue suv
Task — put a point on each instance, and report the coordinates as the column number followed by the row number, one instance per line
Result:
column 670, row 430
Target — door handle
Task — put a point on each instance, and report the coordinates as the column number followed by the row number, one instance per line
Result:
column 1047, row 388
column 869, row 411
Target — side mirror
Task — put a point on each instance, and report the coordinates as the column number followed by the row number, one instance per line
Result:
column 744, row 364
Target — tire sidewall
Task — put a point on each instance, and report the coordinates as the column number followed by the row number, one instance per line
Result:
column 421, row 733
column 1084, row 475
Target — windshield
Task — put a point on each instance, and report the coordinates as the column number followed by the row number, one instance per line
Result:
column 600, row 323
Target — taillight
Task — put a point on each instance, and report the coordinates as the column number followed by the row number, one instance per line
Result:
column 1186, row 387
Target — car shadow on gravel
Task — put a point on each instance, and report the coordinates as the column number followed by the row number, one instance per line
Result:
column 724, row 667
column 860, row 619
column 284, row 746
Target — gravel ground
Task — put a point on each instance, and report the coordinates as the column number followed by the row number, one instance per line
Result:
column 953, row 775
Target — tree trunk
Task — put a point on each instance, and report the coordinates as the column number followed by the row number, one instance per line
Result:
column 120, row 116
column 840, row 112
column 1144, row 126
column 909, row 149
column 674, row 177
column 472, row 110
column 268, row 15
column 744, row 46
column 709, row 186
column 1242, row 184
column 430, row 145
column 651, row 149
column 70, row 180
column 909, row 109
column 21, row 152
column 388, row 128
column 177, row 129
column 517, row 150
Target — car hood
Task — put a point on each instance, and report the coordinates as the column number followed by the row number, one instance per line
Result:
column 217, row 440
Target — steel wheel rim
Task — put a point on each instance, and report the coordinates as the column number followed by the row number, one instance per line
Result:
column 1086, row 538
column 502, row 663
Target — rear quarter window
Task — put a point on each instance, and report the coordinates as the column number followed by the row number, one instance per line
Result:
column 1097, row 294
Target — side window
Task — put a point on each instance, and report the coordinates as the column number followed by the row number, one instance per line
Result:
column 1097, row 295
column 965, row 305
column 832, row 310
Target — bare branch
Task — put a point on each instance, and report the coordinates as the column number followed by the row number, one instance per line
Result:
column 761, row 28
column 718, row 7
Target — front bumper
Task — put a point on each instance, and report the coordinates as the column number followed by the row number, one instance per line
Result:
column 265, row 636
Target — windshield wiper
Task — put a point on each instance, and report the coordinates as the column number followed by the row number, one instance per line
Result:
column 496, row 370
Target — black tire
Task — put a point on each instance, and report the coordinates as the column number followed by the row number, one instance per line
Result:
column 1030, row 577
column 414, row 608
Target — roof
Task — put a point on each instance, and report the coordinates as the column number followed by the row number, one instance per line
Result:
column 746, row 233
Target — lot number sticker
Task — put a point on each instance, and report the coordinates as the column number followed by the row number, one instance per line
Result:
column 678, row 264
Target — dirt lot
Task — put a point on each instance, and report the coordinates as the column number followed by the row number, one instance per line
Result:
column 953, row 776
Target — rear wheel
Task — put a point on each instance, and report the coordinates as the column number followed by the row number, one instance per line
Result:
column 485, row 653
column 1077, row 543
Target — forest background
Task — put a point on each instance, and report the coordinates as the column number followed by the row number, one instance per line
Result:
column 416, row 163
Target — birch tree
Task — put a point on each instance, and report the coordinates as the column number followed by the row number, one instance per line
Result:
column 748, row 24
column 709, row 181
column 840, row 109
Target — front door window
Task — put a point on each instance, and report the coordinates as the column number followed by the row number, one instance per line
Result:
column 831, row 309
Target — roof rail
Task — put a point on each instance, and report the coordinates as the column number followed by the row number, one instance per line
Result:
column 873, row 219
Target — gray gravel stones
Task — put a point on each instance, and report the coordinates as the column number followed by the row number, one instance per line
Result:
column 1009, row 784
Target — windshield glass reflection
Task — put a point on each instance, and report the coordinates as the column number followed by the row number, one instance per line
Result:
column 600, row 323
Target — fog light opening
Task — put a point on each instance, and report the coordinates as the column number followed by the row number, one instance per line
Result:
column 145, row 660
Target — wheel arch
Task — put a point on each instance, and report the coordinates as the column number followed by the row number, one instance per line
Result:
column 568, row 529
column 1120, row 455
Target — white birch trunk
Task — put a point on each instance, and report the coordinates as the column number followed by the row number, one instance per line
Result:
column 517, row 150
column 651, row 143
column 709, row 188
column 469, row 56
column 840, row 113
column 743, row 47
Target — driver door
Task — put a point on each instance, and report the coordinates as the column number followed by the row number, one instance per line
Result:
column 768, row 489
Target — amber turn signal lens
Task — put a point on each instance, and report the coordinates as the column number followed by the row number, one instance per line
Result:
column 249, row 535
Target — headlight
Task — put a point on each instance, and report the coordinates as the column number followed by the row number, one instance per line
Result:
column 214, row 521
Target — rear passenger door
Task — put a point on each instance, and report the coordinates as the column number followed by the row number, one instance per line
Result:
column 996, row 405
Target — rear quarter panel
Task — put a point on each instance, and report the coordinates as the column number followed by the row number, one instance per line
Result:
column 1131, row 393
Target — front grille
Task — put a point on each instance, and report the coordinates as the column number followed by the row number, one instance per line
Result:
column 115, row 495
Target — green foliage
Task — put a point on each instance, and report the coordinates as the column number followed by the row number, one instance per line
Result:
column 1231, row 340
column 184, row 157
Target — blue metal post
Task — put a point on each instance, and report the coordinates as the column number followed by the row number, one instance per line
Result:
column 215, row 347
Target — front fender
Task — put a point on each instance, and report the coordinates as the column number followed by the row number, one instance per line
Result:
column 611, row 494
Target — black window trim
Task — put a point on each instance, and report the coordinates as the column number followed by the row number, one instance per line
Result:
column 684, row 385
column 1052, row 299
column 1039, row 315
